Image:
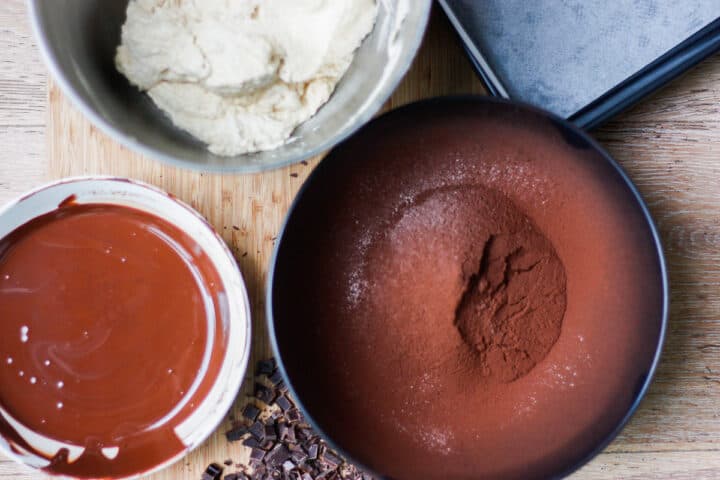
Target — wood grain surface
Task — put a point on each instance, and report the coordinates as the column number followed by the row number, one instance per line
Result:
column 669, row 144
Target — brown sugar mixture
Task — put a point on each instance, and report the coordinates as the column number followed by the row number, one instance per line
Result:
column 110, row 337
column 464, row 292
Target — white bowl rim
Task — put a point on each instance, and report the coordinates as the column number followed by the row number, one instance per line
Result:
column 238, row 375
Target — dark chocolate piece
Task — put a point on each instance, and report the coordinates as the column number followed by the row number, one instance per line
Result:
column 236, row 433
column 265, row 367
column 251, row 442
column 264, row 394
column 228, row 462
column 313, row 451
column 282, row 429
column 212, row 472
column 257, row 430
column 298, row 457
column 251, row 412
column 331, row 459
column 290, row 435
column 276, row 377
column 283, row 402
column 270, row 432
column 277, row 455
column 294, row 415
column 257, row 454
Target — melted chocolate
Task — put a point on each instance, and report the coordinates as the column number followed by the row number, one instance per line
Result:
column 110, row 336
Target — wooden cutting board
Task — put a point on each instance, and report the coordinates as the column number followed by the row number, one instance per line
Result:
column 668, row 145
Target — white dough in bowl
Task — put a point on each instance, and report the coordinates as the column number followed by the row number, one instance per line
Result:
column 241, row 75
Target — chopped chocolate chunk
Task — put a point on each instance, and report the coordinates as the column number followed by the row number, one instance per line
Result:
column 236, row 433
column 212, row 472
column 264, row 394
column 282, row 429
column 265, row 367
column 331, row 459
column 228, row 462
column 283, row 402
column 277, row 455
column 257, row 430
column 251, row 412
column 251, row 442
column 294, row 415
column 294, row 175
column 257, row 453
column 290, row 435
column 276, row 377
column 298, row 457
column 313, row 451
column 270, row 432
column 303, row 433
column 283, row 446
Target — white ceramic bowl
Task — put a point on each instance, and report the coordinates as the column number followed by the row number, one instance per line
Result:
column 211, row 411
column 78, row 39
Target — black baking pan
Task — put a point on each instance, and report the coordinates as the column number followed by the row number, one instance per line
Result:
column 585, row 60
column 299, row 293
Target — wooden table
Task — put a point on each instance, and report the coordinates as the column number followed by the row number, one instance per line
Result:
column 670, row 146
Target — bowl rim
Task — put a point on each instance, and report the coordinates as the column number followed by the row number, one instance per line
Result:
column 567, row 126
column 134, row 145
column 232, row 387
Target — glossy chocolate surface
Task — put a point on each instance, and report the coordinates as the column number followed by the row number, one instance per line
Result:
column 110, row 336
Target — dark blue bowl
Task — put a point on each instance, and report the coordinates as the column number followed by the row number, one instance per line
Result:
column 292, row 296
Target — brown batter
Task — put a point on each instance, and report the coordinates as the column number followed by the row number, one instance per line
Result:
column 105, row 314
column 472, row 295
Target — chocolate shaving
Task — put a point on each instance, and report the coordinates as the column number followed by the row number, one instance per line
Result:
column 212, row 472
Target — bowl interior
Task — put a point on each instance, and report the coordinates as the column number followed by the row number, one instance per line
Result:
column 233, row 356
column 551, row 421
column 79, row 38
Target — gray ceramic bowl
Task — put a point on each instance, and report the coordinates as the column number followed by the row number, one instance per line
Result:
column 78, row 39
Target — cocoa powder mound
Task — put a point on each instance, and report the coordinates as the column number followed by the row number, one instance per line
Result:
column 510, row 314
